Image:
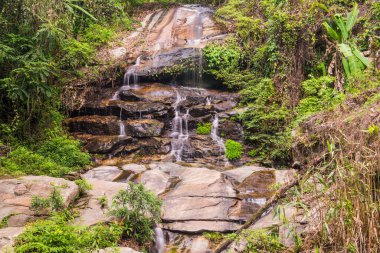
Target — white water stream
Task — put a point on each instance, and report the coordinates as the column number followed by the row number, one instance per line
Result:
column 160, row 240
column 180, row 131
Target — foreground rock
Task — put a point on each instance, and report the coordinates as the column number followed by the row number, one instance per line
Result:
column 7, row 237
column 94, row 210
column 16, row 196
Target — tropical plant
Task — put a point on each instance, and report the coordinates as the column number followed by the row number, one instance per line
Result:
column 339, row 31
column 138, row 210
column 234, row 150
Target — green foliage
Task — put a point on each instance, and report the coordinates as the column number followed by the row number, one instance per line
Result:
column 55, row 157
column 103, row 202
column 234, row 150
column 98, row 34
column 204, row 129
column 22, row 161
column 64, row 151
column 261, row 241
column 84, row 186
column 373, row 130
column 54, row 202
column 76, row 54
column 340, row 31
column 138, row 210
column 55, row 235
column 222, row 59
column 320, row 95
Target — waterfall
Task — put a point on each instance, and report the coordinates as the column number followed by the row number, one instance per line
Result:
column 219, row 140
column 131, row 72
column 208, row 100
column 180, row 131
column 160, row 240
column 122, row 129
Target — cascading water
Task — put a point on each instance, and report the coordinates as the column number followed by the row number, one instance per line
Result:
column 180, row 131
column 208, row 100
column 214, row 135
column 160, row 240
column 130, row 73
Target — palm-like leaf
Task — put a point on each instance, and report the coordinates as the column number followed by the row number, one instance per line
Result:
column 352, row 17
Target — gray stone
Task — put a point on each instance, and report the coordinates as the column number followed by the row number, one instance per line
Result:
column 155, row 181
column 106, row 173
column 198, row 226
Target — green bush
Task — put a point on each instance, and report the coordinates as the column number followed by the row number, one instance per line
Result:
column 64, row 151
column 55, row 235
column 55, row 157
column 138, row 210
column 234, row 150
column 204, row 129
column 54, row 202
column 98, row 34
column 76, row 54
column 22, row 161
column 261, row 241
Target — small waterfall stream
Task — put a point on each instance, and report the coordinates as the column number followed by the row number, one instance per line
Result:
column 219, row 140
column 180, row 131
column 160, row 240
column 130, row 73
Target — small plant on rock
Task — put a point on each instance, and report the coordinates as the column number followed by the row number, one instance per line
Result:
column 234, row 150
column 84, row 186
column 204, row 129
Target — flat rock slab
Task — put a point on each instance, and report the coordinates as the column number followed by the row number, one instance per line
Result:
column 7, row 236
column 173, row 169
column 16, row 196
column 199, row 226
column 202, row 182
column 106, row 173
column 196, row 208
column 93, row 213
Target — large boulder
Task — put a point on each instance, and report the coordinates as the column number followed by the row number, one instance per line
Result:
column 16, row 196
column 93, row 212
column 94, row 124
column 144, row 128
column 103, row 144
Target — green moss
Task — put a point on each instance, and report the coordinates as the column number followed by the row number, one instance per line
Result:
column 204, row 129
column 261, row 241
column 234, row 150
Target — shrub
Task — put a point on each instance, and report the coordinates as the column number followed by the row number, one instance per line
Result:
column 204, row 129
column 64, row 151
column 138, row 210
column 55, row 235
column 53, row 202
column 261, row 241
column 76, row 54
column 98, row 34
column 83, row 185
column 22, row 161
column 234, row 150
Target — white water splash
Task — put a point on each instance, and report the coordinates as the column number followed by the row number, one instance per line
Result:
column 180, row 131
column 219, row 140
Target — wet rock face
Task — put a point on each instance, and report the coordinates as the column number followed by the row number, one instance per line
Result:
column 141, row 119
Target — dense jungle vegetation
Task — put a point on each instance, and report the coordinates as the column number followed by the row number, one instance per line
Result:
column 295, row 63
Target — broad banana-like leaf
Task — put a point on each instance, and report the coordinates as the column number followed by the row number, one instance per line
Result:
column 355, row 65
column 331, row 32
column 352, row 17
column 346, row 67
column 360, row 56
column 338, row 19
column 345, row 50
